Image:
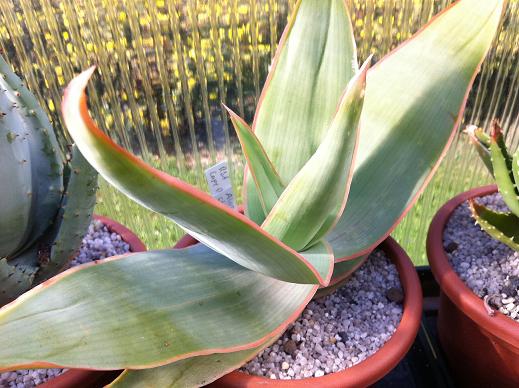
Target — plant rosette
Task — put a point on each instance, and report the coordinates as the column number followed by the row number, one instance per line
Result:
column 375, row 366
column 336, row 155
column 81, row 378
column 481, row 343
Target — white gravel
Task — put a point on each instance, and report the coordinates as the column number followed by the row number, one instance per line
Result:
column 339, row 330
column 99, row 243
column 487, row 266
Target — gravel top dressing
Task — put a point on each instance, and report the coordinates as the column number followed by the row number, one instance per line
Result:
column 339, row 330
column 99, row 243
column 488, row 267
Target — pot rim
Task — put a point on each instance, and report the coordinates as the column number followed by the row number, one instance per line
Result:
column 377, row 365
column 457, row 291
column 76, row 377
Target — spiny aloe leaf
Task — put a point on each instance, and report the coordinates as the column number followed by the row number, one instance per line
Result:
column 515, row 167
column 15, row 212
column 481, row 142
column 192, row 372
column 26, row 122
column 314, row 62
column 502, row 166
column 145, row 310
column 72, row 222
column 268, row 183
column 224, row 230
column 13, row 281
column 503, row 227
column 414, row 102
column 315, row 198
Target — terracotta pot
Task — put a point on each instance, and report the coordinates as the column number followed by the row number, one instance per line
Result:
column 373, row 368
column 483, row 351
column 81, row 378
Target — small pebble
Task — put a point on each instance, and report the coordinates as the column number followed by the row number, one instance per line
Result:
column 98, row 243
column 395, row 294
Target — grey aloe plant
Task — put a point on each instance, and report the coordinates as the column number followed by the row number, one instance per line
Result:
column 503, row 226
column 47, row 195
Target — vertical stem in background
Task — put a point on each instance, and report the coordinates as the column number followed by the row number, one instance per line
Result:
column 80, row 53
column 123, row 69
column 179, row 59
column 253, row 22
column 143, row 71
column 237, row 56
column 201, row 76
column 222, row 92
column 273, row 27
column 105, row 71
column 165, row 80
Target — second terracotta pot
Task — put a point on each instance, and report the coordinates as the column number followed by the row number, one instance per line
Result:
column 483, row 351
column 373, row 368
column 81, row 378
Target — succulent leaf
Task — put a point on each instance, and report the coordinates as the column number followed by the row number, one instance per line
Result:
column 74, row 217
column 481, row 142
column 223, row 229
column 25, row 118
column 414, row 101
column 316, row 196
column 502, row 167
column 268, row 183
column 15, row 212
column 503, row 227
column 192, row 372
column 14, row 281
column 145, row 310
column 315, row 60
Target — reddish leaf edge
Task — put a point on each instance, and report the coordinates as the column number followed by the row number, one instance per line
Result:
column 456, row 124
column 42, row 364
column 80, row 82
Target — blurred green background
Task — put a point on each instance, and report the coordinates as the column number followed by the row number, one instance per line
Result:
column 165, row 67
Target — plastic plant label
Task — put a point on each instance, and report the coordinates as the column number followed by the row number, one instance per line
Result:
column 220, row 184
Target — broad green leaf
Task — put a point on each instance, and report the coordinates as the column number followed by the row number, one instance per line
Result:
column 481, row 142
column 146, row 310
column 268, row 183
column 502, row 165
column 192, row 372
column 316, row 196
column 413, row 104
column 315, row 60
column 503, row 227
column 223, row 229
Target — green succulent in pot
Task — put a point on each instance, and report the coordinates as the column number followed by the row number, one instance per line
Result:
column 504, row 167
column 336, row 156
column 47, row 195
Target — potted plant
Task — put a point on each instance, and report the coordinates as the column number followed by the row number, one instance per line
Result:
column 475, row 265
column 188, row 316
column 47, row 196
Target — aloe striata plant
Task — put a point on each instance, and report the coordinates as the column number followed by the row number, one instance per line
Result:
column 47, row 196
column 199, row 312
column 503, row 226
